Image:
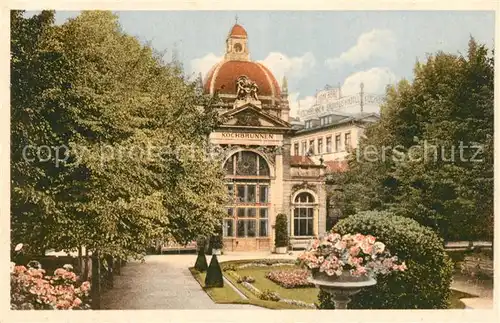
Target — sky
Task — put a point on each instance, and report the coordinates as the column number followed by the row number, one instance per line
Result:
column 313, row 48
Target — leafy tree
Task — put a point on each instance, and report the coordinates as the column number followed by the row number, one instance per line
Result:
column 137, row 135
column 411, row 162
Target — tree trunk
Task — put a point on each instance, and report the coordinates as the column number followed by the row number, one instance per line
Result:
column 110, row 271
column 80, row 260
column 86, row 265
column 96, row 281
column 118, row 266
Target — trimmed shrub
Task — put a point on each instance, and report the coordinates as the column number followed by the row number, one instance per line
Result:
column 281, row 231
column 201, row 261
column 214, row 274
column 426, row 282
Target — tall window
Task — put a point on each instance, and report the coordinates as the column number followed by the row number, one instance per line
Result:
column 303, row 215
column 320, row 145
column 296, row 149
column 337, row 142
column 347, row 140
column 247, row 210
column 329, row 144
column 311, row 147
column 304, row 148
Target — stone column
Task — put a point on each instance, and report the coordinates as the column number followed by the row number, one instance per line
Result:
column 316, row 221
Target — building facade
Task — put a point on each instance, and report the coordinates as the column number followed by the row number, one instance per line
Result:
column 265, row 173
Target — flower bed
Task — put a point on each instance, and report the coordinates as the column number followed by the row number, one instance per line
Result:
column 290, row 278
column 32, row 289
column 256, row 264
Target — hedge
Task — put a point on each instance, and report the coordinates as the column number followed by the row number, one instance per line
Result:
column 426, row 282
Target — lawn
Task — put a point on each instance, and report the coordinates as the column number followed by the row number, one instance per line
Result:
column 309, row 294
column 222, row 295
column 227, row 295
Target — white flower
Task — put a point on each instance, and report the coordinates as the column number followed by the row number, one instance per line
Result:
column 378, row 247
column 68, row 267
column 18, row 247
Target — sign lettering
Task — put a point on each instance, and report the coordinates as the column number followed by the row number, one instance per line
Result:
column 347, row 101
column 236, row 135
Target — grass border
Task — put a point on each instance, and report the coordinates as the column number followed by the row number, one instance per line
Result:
column 252, row 299
column 197, row 276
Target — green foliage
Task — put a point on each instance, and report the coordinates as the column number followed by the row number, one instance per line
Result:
column 214, row 274
column 281, row 231
column 216, row 242
column 269, row 295
column 426, row 282
column 449, row 104
column 201, row 261
column 135, row 134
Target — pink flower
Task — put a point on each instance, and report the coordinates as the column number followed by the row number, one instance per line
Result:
column 333, row 259
column 63, row 304
column 85, row 286
column 371, row 239
column 77, row 302
column 359, row 237
column 367, row 248
column 59, row 272
column 354, row 251
column 340, row 245
column 333, row 237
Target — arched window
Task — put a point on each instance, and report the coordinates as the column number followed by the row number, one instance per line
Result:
column 246, row 163
column 247, row 175
column 304, row 197
column 303, row 214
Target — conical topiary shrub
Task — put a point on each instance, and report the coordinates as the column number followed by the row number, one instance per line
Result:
column 201, row 261
column 214, row 274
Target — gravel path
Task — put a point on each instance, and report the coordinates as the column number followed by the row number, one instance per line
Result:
column 162, row 282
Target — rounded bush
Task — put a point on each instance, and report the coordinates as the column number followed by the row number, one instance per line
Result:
column 426, row 282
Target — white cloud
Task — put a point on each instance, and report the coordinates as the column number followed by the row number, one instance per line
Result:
column 375, row 43
column 305, row 103
column 375, row 80
column 280, row 64
column 294, row 68
column 204, row 64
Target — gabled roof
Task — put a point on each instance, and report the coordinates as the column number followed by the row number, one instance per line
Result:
column 277, row 122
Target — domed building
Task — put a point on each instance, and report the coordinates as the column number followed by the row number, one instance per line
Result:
column 254, row 142
column 228, row 79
